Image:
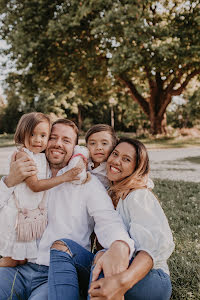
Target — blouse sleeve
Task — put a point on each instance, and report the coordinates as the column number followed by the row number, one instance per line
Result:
column 149, row 227
column 109, row 226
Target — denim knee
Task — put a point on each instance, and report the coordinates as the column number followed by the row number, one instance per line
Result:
column 78, row 253
column 71, row 245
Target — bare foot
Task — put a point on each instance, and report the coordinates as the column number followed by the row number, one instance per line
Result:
column 8, row 262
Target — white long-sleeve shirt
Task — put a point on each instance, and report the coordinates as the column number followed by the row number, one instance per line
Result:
column 148, row 226
column 73, row 212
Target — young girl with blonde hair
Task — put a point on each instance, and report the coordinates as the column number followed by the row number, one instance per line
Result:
column 24, row 217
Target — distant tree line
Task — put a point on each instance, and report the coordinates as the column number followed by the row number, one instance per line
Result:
column 128, row 115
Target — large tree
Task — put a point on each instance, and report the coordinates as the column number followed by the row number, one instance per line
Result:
column 151, row 49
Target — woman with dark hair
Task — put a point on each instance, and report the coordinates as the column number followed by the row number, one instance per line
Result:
column 128, row 170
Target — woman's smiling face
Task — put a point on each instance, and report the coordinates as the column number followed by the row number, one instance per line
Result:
column 121, row 162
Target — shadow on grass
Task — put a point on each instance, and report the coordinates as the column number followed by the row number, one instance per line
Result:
column 174, row 169
column 195, row 159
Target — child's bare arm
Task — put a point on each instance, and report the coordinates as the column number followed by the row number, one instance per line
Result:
column 37, row 185
column 44, row 184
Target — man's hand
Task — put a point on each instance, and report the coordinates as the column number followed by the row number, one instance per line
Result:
column 111, row 288
column 20, row 169
column 115, row 260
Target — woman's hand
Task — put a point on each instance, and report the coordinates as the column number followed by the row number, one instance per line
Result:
column 20, row 169
column 111, row 288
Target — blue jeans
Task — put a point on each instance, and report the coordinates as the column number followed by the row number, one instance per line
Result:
column 156, row 285
column 69, row 272
column 24, row 282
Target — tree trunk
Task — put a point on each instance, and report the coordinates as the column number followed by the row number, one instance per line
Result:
column 156, row 104
column 158, row 124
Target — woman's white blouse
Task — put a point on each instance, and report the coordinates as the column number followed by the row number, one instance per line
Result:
column 148, row 226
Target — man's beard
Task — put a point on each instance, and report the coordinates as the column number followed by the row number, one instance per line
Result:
column 57, row 165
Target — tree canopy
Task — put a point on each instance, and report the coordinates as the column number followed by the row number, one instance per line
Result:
column 150, row 50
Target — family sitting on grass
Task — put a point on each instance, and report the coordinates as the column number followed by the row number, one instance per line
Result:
column 57, row 193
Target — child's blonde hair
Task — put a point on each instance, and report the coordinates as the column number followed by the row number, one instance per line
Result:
column 26, row 125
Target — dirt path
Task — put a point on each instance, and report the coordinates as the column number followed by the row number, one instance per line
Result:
column 174, row 164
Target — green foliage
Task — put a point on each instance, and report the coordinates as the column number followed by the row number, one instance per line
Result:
column 180, row 201
column 187, row 114
column 11, row 113
column 147, row 49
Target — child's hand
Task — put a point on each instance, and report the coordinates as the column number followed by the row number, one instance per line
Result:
column 72, row 174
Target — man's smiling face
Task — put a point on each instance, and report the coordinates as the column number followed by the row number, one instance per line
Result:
column 60, row 145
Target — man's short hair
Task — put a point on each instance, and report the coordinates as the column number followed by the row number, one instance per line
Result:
column 68, row 123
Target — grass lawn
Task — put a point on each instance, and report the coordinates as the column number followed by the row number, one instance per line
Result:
column 181, row 203
column 6, row 140
column 162, row 142
column 166, row 141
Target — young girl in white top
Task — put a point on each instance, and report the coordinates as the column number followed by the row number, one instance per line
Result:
column 100, row 140
column 146, row 223
column 18, row 241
